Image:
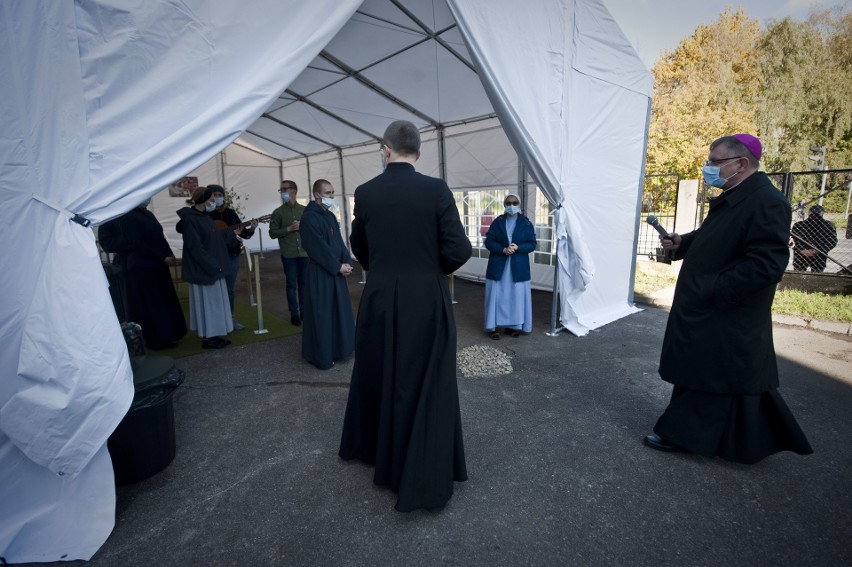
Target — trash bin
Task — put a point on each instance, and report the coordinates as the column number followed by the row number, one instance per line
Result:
column 143, row 444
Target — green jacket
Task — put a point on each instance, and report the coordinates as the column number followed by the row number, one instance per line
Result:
column 290, row 243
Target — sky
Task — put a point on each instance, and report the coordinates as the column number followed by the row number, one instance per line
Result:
column 655, row 25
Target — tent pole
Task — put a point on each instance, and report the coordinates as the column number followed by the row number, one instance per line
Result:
column 260, row 328
column 554, row 332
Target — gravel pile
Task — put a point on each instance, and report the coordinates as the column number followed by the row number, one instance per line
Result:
column 477, row 361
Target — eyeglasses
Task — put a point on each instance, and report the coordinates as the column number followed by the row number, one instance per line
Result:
column 285, row 189
column 512, row 203
column 720, row 160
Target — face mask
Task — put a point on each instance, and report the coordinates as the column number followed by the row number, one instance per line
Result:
column 218, row 201
column 328, row 203
column 711, row 176
column 210, row 206
column 512, row 210
column 285, row 196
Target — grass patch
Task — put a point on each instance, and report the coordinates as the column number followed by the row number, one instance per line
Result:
column 813, row 305
column 787, row 302
column 647, row 283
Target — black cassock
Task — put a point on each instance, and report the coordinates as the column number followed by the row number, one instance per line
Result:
column 149, row 294
column 403, row 411
column 328, row 328
column 718, row 350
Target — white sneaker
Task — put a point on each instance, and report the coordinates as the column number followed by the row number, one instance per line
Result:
column 238, row 326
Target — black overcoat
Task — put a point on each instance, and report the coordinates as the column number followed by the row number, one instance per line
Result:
column 149, row 295
column 403, row 410
column 719, row 332
column 328, row 328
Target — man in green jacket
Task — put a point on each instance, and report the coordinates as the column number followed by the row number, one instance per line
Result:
column 284, row 226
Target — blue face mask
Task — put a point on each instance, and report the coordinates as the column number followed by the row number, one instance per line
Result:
column 285, row 196
column 512, row 210
column 219, row 201
column 711, row 176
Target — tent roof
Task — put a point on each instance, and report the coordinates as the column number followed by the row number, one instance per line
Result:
column 393, row 60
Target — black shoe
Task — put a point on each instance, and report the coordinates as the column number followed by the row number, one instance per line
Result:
column 215, row 343
column 654, row 441
column 295, row 320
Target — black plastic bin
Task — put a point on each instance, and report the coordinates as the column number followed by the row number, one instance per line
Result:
column 143, row 444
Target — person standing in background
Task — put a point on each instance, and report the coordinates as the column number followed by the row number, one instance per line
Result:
column 205, row 267
column 508, row 296
column 144, row 255
column 813, row 239
column 227, row 220
column 403, row 412
column 329, row 327
column 285, row 227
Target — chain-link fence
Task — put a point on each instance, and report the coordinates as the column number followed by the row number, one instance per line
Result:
column 821, row 235
column 821, row 228
column 660, row 200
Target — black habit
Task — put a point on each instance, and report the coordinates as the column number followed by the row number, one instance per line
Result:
column 149, row 295
column 403, row 411
column 328, row 328
column 718, row 350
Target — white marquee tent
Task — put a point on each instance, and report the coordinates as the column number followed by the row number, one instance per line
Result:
column 105, row 102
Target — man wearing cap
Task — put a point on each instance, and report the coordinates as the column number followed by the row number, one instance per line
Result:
column 812, row 240
column 717, row 350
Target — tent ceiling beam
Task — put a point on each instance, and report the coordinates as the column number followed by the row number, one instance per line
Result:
column 279, row 144
column 312, row 104
column 377, row 89
column 435, row 35
column 258, row 152
column 300, row 131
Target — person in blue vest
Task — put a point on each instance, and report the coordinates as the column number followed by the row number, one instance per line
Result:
column 508, row 297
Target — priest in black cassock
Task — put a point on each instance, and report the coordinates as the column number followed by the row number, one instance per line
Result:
column 328, row 328
column 403, row 411
column 142, row 252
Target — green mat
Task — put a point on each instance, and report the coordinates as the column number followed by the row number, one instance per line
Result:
column 245, row 314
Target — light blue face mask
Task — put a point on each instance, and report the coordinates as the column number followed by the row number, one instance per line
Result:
column 512, row 210
column 285, row 196
column 711, row 176
column 210, row 206
column 219, row 201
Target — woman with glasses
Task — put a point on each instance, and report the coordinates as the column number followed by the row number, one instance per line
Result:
column 508, row 299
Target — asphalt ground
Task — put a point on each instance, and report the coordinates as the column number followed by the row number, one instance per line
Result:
column 558, row 472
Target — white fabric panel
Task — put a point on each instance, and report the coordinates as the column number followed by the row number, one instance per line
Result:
column 484, row 158
column 239, row 155
column 530, row 83
column 104, row 103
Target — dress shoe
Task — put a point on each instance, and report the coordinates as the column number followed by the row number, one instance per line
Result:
column 654, row 441
column 295, row 320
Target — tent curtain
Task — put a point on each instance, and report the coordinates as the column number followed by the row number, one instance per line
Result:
column 104, row 103
column 535, row 87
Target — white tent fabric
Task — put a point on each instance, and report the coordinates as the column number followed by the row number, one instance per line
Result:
column 568, row 98
column 103, row 103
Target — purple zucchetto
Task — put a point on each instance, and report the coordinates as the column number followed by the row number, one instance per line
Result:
column 752, row 143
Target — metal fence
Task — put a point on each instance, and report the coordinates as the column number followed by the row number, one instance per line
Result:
column 660, row 200
column 821, row 228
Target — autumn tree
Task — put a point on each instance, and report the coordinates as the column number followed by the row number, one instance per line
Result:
column 704, row 89
column 806, row 98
